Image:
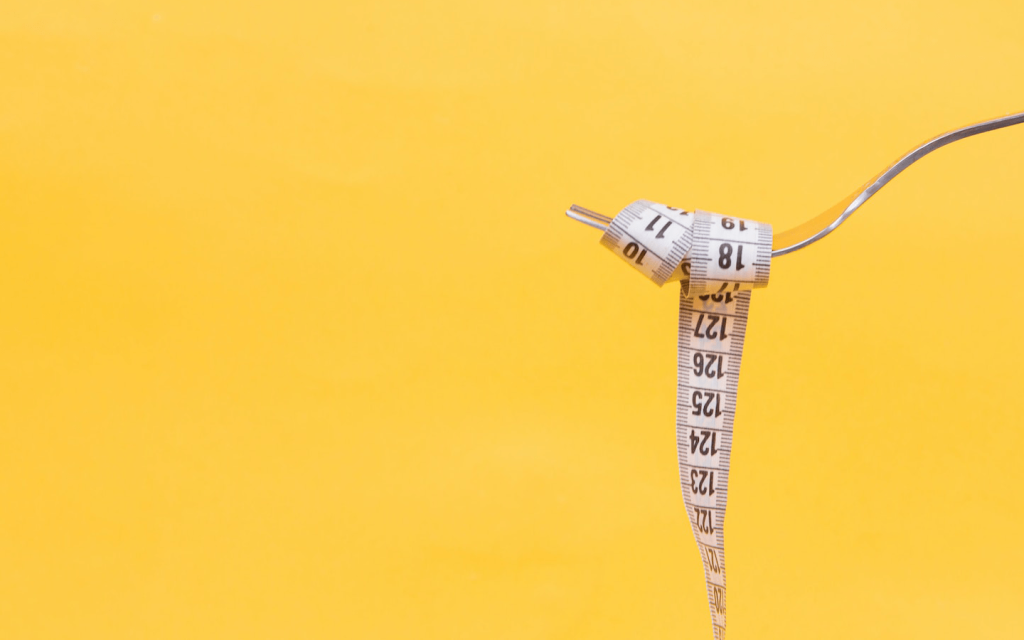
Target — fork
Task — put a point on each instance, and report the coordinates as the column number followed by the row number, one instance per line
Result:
column 825, row 223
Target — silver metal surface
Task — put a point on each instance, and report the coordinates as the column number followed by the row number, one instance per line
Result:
column 825, row 223
column 588, row 217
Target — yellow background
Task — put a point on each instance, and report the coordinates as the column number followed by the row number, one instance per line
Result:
column 295, row 341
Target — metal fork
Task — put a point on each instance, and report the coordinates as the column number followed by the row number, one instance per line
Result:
column 825, row 223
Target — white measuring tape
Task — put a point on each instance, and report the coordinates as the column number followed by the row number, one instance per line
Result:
column 718, row 260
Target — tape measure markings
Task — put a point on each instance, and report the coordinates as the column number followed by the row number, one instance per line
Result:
column 718, row 260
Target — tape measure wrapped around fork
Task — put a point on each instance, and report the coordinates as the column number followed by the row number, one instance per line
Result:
column 717, row 260
column 709, row 252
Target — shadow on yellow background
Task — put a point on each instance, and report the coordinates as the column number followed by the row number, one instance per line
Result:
column 297, row 343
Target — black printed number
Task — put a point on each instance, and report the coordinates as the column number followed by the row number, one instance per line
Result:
column 661, row 233
column 729, row 223
column 712, row 556
column 715, row 329
column 704, row 520
column 719, row 596
column 704, row 441
column 720, row 297
column 634, row 252
column 702, row 482
column 725, row 251
column 706, row 403
column 708, row 365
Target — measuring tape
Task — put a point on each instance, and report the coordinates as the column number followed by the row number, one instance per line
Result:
column 717, row 260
